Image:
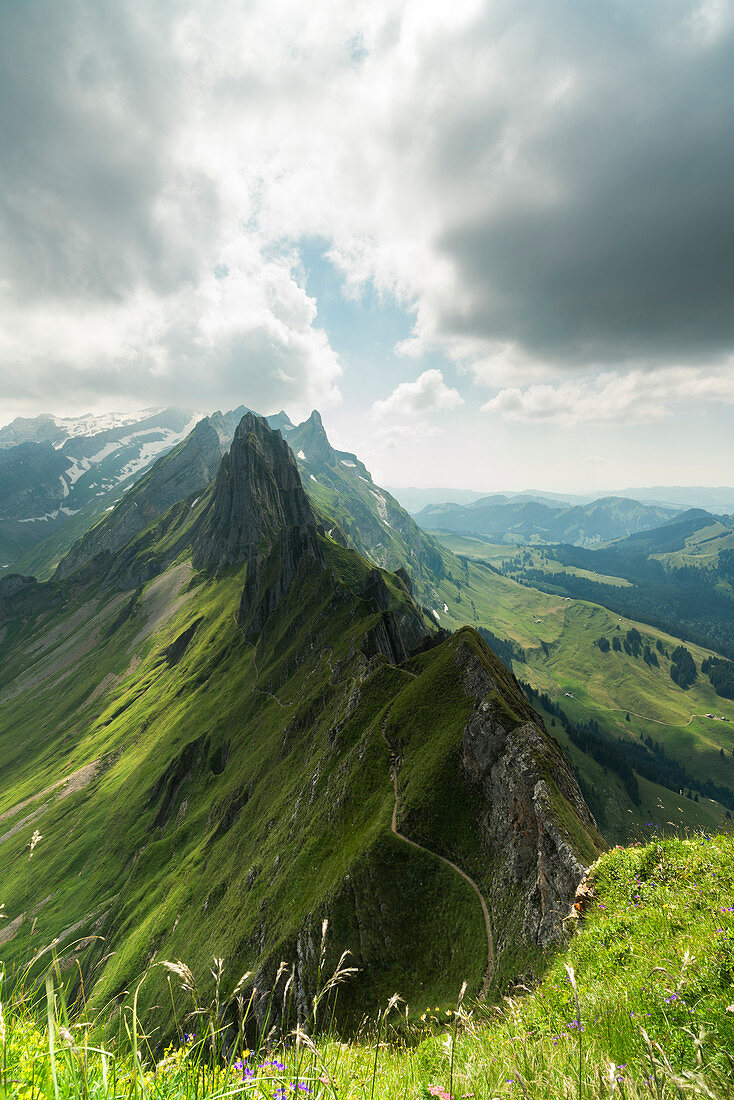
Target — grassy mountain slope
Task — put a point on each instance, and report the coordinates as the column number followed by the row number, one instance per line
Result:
column 556, row 652
column 560, row 657
column 199, row 793
column 374, row 523
column 557, row 636
column 638, row 1004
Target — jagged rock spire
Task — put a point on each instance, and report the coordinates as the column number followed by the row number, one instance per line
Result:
column 311, row 439
column 257, row 495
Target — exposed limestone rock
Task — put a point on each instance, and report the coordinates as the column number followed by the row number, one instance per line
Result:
column 385, row 638
column 532, row 805
column 310, row 439
column 257, row 494
column 296, row 552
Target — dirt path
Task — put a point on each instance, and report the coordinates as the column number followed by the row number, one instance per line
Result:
column 414, row 844
column 657, row 721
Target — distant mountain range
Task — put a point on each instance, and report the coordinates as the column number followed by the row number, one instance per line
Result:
column 59, row 476
column 58, row 472
column 530, row 520
column 680, row 497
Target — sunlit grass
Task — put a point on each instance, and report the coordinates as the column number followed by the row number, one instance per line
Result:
column 639, row 1004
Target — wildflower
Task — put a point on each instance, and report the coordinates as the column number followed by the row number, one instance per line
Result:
column 34, row 841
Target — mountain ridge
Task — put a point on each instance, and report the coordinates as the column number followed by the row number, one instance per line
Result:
column 257, row 792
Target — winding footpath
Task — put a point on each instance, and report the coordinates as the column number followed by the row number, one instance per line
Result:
column 657, row 721
column 401, row 836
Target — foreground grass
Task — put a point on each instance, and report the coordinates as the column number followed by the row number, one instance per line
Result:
column 640, row 1003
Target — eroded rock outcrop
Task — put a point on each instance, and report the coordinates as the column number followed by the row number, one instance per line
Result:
column 533, row 815
column 257, row 494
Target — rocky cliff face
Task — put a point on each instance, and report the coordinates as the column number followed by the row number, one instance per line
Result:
column 310, row 442
column 533, row 815
column 257, row 494
column 370, row 519
column 295, row 552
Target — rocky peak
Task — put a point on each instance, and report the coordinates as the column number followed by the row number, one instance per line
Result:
column 281, row 421
column 257, row 495
column 310, row 440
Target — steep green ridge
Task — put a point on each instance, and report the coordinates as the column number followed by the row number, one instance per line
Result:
column 374, row 523
column 185, row 470
column 556, row 635
column 97, row 482
column 202, row 793
column 554, row 649
column 638, row 1003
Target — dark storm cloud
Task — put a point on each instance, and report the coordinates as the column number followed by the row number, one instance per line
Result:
column 607, row 164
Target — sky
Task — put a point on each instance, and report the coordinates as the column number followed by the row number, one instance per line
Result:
column 493, row 243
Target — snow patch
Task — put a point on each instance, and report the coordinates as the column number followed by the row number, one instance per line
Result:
column 64, row 486
column 107, row 450
column 436, row 615
column 313, row 479
column 51, row 515
column 351, row 465
column 302, row 456
column 75, row 471
column 381, row 506
column 445, row 607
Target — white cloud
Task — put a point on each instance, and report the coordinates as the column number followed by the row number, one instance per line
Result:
column 429, row 393
column 637, row 397
column 536, row 184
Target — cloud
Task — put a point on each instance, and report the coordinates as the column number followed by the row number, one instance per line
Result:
column 134, row 267
column 638, row 397
column 542, row 186
column 429, row 393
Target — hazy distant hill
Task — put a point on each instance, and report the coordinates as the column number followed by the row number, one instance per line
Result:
column 529, row 519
